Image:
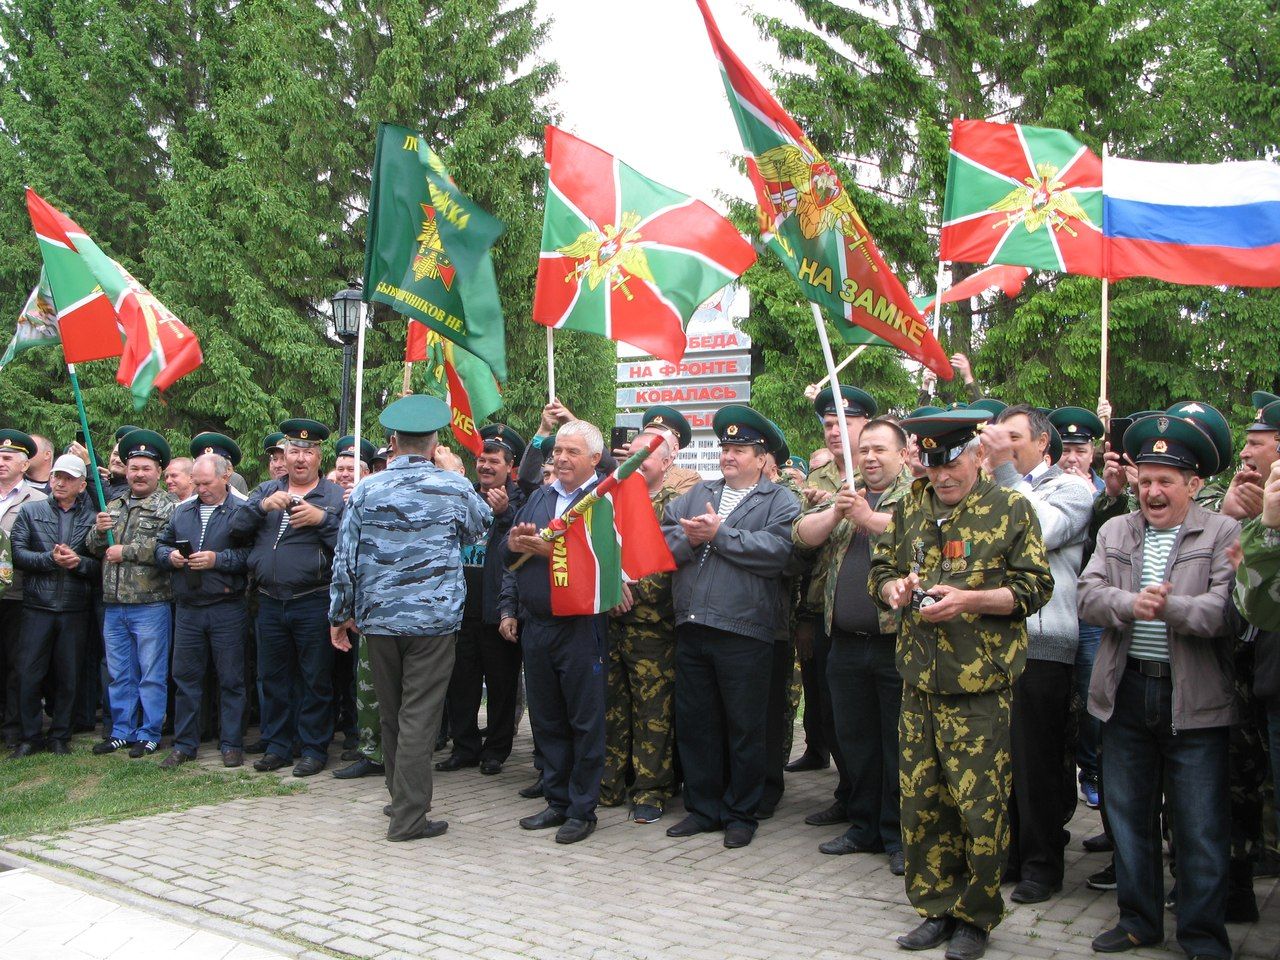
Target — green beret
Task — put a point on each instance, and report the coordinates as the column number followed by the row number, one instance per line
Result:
column 145, row 443
column 16, row 441
column 303, row 432
column 416, row 415
column 1172, row 441
column 672, row 419
column 217, row 443
column 857, row 403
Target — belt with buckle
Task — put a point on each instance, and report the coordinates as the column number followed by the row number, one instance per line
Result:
column 1151, row 668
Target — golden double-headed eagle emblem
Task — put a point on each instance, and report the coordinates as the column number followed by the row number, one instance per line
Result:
column 1041, row 200
column 610, row 254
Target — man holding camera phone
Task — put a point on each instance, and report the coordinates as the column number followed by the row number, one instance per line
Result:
column 964, row 561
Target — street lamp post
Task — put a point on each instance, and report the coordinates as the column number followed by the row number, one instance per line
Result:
column 346, row 324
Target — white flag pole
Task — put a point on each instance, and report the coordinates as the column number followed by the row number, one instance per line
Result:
column 842, row 364
column 845, row 449
column 551, row 365
column 359, row 392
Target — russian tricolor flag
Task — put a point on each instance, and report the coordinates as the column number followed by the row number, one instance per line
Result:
column 1211, row 223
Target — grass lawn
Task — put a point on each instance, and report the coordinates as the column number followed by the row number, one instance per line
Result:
column 50, row 794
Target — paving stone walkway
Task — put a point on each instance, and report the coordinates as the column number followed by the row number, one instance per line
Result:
column 315, row 872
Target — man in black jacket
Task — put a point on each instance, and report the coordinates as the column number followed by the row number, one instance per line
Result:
column 210, row 615
column 483, row 656
column 49, row 545
column 294, row 523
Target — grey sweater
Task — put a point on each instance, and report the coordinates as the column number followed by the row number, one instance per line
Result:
column 1063, row 503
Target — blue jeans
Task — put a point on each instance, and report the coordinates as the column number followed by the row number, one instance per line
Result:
column 1141, row 752
column 203, row 633
column 293, row 639
column 136, row 637
column 1089, row 727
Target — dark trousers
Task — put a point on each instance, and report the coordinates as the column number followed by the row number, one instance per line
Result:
column 819, row 732
column 293, row 640
column 200, row 634
column 866, row 700
column 564, row 680
column 49, row 641
column 1141, row 754
column 88, row 686
column 779, row 721
column 410, row 677
column 483, row 661
column 10, row 631
column 1041, row 706
column 1273, row 744
column 722, row 691
column 344, row 693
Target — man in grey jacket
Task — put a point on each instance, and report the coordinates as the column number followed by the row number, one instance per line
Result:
column 1022, row 448
column 1159, row 582
column 731, row 539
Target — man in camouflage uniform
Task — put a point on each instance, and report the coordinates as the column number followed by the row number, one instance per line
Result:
column 136, row 594
column 642, row 674
column 964, row 561
column 397, row 578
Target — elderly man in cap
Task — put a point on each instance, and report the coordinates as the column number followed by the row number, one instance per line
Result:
column 208, row 576
column 50, row 544
column 675, row 425
column 485, row 659
column 136, row 597
column 398, row 580
column 273, row 448
column 16, row 450
column 293, row 525
column 223, row 446
column 731, row 539
column 964, row 562
column 1159, row 582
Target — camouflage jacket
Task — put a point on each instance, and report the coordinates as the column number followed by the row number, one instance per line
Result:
column 651, row 607
column 826, row 477
column 837, row 545
column 6, row 563
column 1257, row 590
column 991, row 539
column 397, row 569
column 138, row 579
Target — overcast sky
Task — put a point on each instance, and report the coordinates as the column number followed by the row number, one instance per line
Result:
column 637, row 79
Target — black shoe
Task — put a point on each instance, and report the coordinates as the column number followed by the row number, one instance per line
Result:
column 840, row 846
column 807, row 761
column 308, row 767
column 109, row 746
column 454, row 762
column 688, row 827
column 60, row 747
column 829, row 817
column 364, row 767
column 532, row 792
column 386, row 811
column 24, row 749
column 1104, row 879
column 574, row 830
column 176, row 758
column 764, row 813
column 967, row 943
column 269, row 762
column 143, row 748
column 350, row 754
column 490, row 767
column 429, row 828
column 1033, row 891
column 1118, row 940
column 897, row 863
column 735, row 837
column 1100, row 843
column 255, row 748
column 931, row 933
column 441, row 743
column 545, row 820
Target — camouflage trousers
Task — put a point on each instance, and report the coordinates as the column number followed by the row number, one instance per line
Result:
column 368, row 723
column 638, row 716
column 955, row 776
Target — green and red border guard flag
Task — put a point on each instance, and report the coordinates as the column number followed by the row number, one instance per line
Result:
column 473, row 393
column 812, row 224
column 1030, row 196
column 624, row 257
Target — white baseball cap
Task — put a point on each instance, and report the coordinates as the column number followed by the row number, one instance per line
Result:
column 69, row 463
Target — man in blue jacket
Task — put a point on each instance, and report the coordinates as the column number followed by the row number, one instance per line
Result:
column 210, row 618
column 293, row 523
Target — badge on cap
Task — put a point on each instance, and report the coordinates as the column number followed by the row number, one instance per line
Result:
column 928, row 443
column 1159, row 447
column 732, row 431
column 142, row 448
column 302, row 434
column 208, row 449
column 1192, row 408
column 1162, row 424
column 659, row 420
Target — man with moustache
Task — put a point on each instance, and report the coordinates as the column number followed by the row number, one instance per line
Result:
column 964, row 562
column 1159, row 582
column 866, row 691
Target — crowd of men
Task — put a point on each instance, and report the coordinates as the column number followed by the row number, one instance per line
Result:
column 1003, row 609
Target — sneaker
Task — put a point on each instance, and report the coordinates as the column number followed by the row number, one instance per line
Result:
column 110, row 746
column 143, row 748
column 1089, row 793
column 646, row 813
column 1104, row 879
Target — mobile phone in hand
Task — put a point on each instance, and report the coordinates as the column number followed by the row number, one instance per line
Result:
column 1116, row 431
column 620, row 437
column 183, row 547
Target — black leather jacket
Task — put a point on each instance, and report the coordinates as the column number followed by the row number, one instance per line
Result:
column 40, row 525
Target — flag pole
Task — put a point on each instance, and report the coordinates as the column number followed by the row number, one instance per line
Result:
column 355, row 448
column 88, row 445
column 551, row 365
column 845, row 448
column 937, row 302
column 408, row 374
column 842, row 364
column 1102, row 380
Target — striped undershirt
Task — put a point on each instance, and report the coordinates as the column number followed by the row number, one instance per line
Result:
column 729, row 498
column 206, row 511
column 1151, row 637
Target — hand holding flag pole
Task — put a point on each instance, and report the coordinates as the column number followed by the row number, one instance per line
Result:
column 558, row 527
